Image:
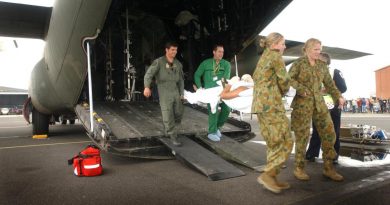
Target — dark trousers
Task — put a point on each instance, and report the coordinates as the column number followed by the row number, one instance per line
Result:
column 315, row 141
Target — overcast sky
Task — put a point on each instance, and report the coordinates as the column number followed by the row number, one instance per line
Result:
column 16, row 63
column 359, row 25
column 47, row 3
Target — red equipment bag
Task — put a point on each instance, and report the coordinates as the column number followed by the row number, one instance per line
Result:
column 88, row 162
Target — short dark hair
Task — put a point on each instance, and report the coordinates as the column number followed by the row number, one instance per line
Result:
column 326, row 56
column 215, row 47
column 170, row 44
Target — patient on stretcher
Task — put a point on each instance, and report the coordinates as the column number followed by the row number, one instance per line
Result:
column 236, row 94
column 235, row 87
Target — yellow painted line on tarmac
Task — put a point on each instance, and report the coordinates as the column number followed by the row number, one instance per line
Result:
column 42, row 145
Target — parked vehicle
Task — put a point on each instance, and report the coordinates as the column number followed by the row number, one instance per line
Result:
column 4, row 111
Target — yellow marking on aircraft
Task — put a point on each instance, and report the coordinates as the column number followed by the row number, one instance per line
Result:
column 39, row 136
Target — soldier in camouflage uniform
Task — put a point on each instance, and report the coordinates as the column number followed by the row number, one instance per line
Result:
column 168, row 72
column 271, row 82
column 308, row 73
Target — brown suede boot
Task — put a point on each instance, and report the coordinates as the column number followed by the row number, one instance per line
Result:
column 330, row 172
column 300, row 174
column 267, row 179
column 282, row 185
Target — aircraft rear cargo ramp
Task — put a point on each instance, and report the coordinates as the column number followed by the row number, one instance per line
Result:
column 135, row 129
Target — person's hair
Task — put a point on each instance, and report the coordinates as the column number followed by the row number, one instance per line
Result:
column 170, row 44
column 309, row 44
column 326, row 57
column 215, row 47
column 247, row 78
column 266, row 42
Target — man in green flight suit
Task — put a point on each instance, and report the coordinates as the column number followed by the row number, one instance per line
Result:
column 168, row 72
column 212, row 70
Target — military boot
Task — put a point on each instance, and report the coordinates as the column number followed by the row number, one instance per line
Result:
column 301, row 174
column 282, row 185
column 267, row 179
column 331, row 173
column 174, row 140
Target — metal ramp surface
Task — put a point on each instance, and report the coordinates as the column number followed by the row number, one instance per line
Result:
column 198, row 157
column 235, row 151
column 143, row 119
column 135, row 129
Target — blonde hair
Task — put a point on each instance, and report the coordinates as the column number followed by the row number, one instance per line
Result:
column 266, row 42
column 310, row 44
column 247, row 78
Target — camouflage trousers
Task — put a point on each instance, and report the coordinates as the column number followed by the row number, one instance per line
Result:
column 300, row 124
column 276, row 133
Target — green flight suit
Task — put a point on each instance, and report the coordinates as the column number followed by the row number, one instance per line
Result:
column 211, row 72
column 271, row 82
column 170, row 85
column 309, row 79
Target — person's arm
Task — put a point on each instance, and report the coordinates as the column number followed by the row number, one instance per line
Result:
column 339, row 81
column 226, row 94
column 331, row 87
column 198, row 75
column 282, row 76
column 181, row 81
column 150, row 73
column 294, row 73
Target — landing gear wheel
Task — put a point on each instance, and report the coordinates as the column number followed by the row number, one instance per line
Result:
column 40, row 123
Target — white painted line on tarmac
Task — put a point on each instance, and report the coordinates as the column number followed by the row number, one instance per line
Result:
column 15, row 127
column 42, row 145
column 13, row 137
column 14, row 121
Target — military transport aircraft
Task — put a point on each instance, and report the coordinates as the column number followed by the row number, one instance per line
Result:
column 124, row 37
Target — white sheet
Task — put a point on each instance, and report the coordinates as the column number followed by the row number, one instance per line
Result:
column 242, row 103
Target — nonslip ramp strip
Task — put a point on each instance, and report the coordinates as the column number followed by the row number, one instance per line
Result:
column 198, row 157
column 237, row 152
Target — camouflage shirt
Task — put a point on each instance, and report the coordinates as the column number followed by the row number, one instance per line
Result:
column 309, row 79
column 271, row 82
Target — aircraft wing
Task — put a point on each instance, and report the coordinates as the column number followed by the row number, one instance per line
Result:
column 247, row 58
column 294, row 49
column 24, row 21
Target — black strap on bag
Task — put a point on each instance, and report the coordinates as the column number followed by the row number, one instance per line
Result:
column 70, row 161
column 81, row 172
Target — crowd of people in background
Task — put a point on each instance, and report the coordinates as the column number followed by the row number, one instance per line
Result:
column 367, row 105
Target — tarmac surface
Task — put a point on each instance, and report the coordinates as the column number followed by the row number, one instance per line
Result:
column 36, row 172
